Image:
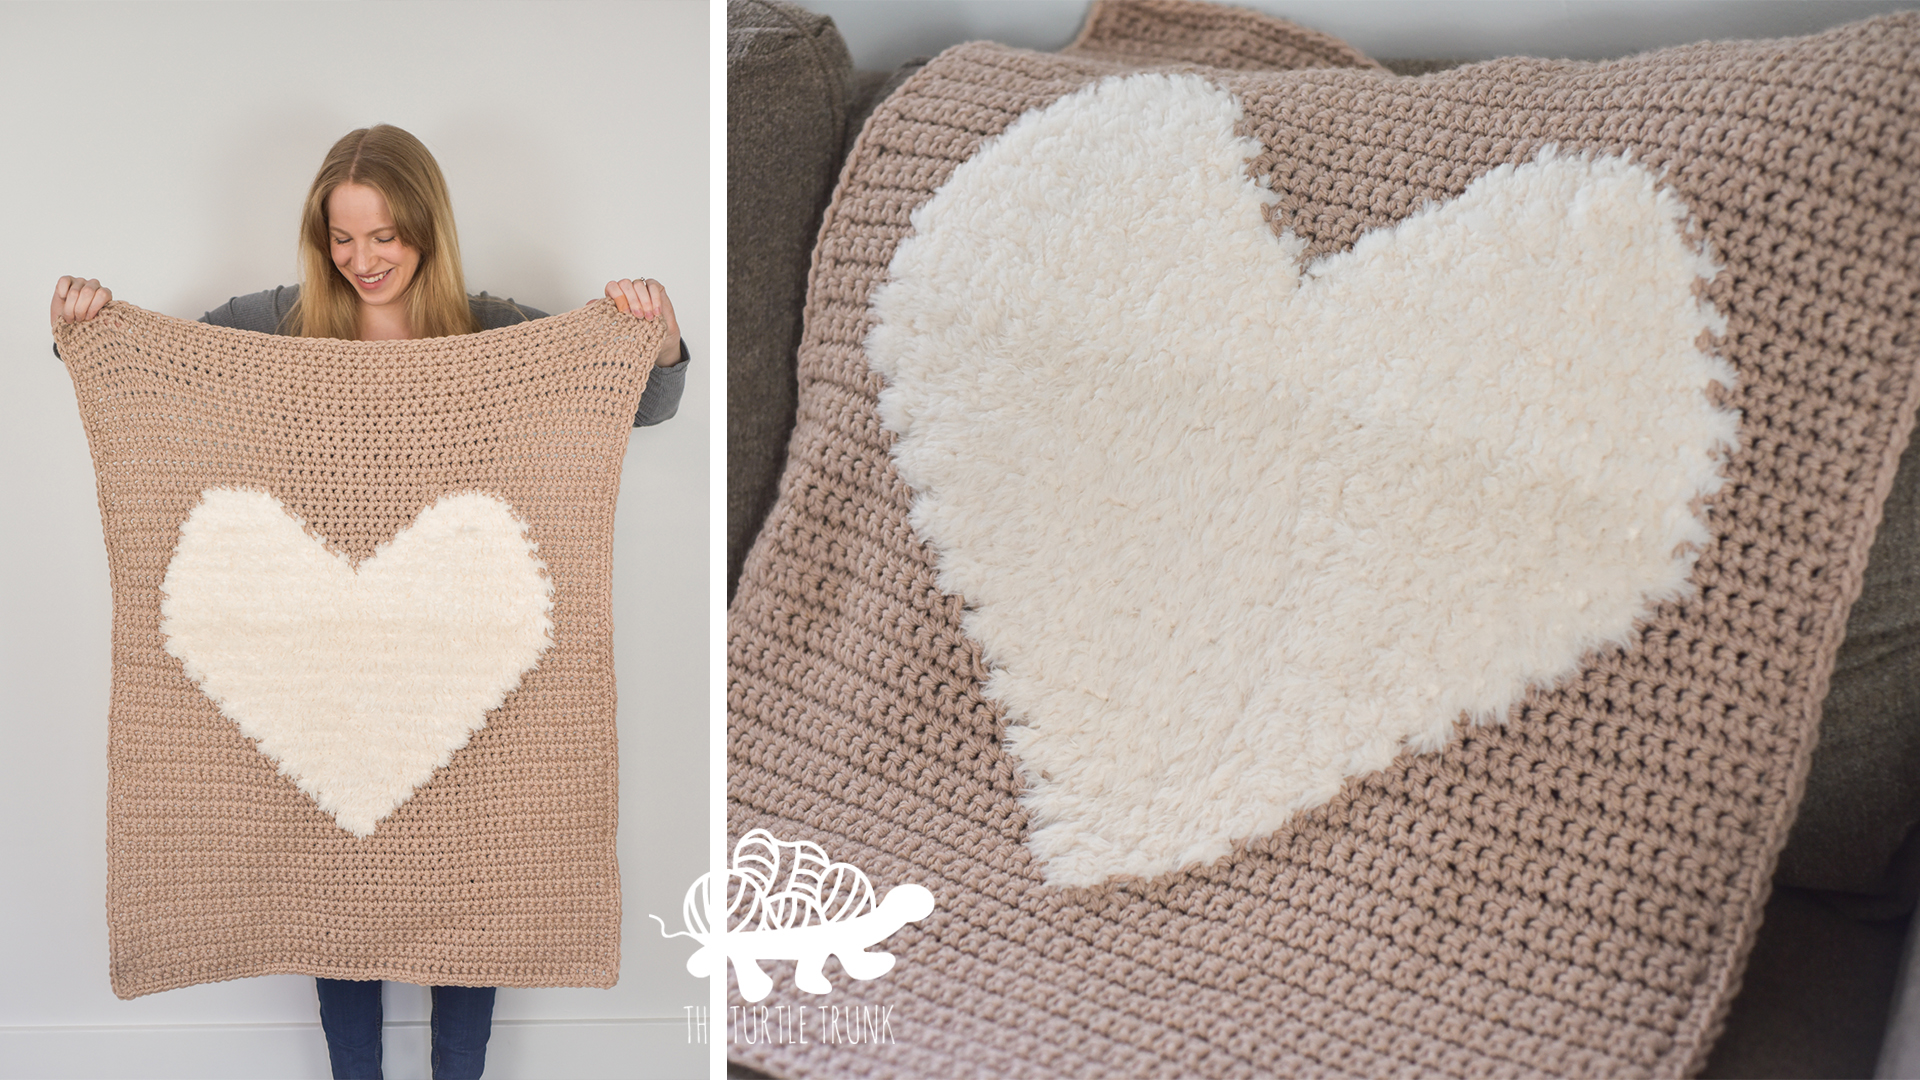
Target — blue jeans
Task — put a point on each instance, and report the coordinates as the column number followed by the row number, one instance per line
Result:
column 350, row 1015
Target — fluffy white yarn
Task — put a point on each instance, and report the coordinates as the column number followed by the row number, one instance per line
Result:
column 1233, row 532
column 360, row 682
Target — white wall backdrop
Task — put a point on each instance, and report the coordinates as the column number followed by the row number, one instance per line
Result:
column 165, row 149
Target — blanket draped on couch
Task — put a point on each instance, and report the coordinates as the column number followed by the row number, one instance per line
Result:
column 362, row 721
column 1568, row 889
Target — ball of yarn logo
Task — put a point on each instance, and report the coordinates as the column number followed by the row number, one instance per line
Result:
column 787, row 900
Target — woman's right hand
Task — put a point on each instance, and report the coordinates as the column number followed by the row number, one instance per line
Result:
column 78, row 299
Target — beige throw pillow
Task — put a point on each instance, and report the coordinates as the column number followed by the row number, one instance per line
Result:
column 1712, row 245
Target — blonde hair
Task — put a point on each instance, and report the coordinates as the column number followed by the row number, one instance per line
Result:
column 399, row 167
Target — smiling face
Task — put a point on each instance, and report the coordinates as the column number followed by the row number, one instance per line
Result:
column 366, row 245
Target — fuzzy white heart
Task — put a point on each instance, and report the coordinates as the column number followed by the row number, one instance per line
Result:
column 360, row 681
column 1231, row 531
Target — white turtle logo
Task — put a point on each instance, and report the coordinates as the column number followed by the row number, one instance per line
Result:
column 789, row 901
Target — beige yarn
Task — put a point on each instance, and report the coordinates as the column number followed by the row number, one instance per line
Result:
column 1572, row 893
column 499, row 871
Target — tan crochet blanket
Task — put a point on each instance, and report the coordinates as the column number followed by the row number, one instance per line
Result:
column 362, row 721
column 1569, row 889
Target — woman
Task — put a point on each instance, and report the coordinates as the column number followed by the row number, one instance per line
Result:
column 380, row 261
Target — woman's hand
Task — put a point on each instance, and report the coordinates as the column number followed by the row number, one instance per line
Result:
column 79, row 299
column 645, row 298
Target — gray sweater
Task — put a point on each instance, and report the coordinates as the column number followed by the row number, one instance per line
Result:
column 266, row 312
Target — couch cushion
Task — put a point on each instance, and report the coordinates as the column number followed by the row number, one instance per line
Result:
column 1863, row 788
column 787, row 99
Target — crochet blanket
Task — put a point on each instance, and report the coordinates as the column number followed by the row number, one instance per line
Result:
column 1320, row 572
column 362, row 722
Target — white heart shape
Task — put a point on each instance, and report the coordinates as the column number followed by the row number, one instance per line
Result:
column 1231, row 533
column 358, row 683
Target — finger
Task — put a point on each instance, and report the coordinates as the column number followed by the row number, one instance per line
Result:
column 632, row 300
column 637, row 288
column 62, row 290
column 666, row 311
column 81, row 298
column 614, row 294
column 99, row 301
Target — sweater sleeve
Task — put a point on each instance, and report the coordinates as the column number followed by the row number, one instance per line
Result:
column 661, row 399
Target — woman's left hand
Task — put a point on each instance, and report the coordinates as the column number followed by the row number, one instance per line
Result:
column 645, row 298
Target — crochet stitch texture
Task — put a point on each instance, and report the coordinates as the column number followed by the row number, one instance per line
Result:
column 500, row 869
column 1571, row 892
